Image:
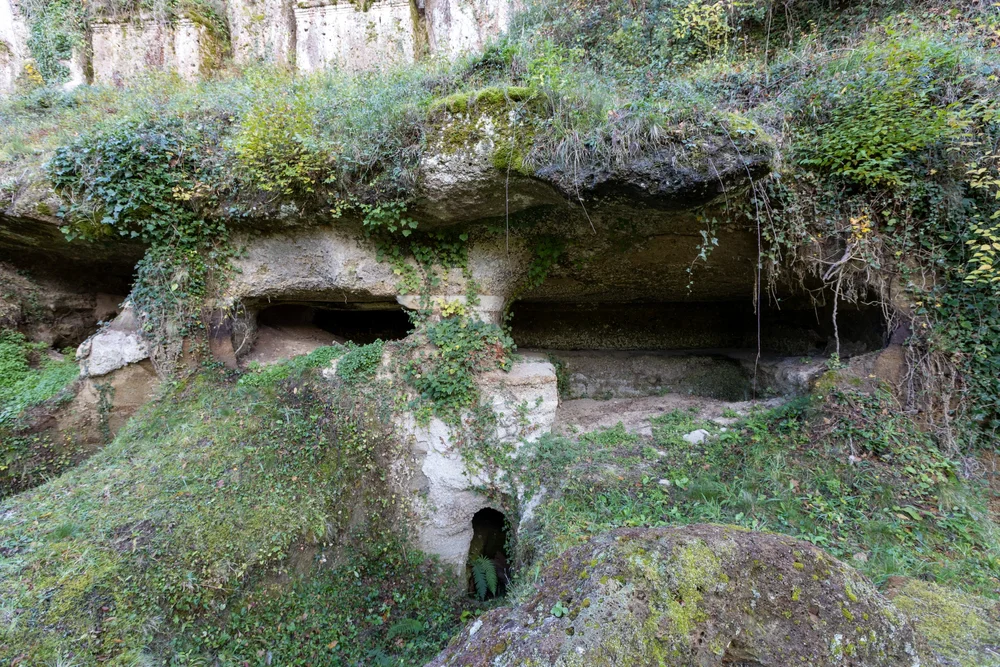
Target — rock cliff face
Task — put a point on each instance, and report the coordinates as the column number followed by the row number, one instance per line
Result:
column 618, row 313
column 307, row 35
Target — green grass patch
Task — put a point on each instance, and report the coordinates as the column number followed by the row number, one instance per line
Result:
column 851, row 475
column 29, row 379
column 230, row 521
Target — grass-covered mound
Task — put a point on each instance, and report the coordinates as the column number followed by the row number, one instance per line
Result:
column 849, row 474
column 253, row 523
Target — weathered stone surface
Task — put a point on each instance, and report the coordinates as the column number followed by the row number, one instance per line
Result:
column 122, row 51
column 324, row 264
column 46, row 308
column 455, row 27
column 126, row 390
column 337, row 264
column 959, row 628
column 262, row 31
column 13, row 45
column 459, row 181
column 30, row 239
column 524, row 401
column 619, row 374
column 113, row 347
column 694, row 595
column 668, row 175
column 340, row 34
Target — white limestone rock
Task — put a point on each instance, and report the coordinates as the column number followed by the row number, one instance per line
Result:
column 113, row 347
column 525, row 401
column 696, row 437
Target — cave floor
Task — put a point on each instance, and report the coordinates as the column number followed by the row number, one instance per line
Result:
column 635, row 413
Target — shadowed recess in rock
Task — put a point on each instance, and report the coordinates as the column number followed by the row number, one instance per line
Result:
column 285, row 330
column 358, row 323
column 793, row 329
column 489, row 543
column 618, row 350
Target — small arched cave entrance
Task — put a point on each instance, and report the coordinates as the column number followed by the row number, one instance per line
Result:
column 285, row 330
column 489, row 551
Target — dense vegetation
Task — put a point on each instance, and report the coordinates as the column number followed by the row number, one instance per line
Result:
column 251, row 520
column 845, row 472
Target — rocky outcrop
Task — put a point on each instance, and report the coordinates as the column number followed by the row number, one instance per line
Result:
column 696, row 595
column 450, row 490
column 113, row 347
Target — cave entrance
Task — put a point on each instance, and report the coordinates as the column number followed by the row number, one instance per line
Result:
column 609, row 350
column 360, row 323
column 488, row 553
column 286, row 330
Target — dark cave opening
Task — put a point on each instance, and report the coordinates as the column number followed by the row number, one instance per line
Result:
column 360, row 323
column 289, row 329
column 608, row 350
column 796, row 328
column 490, row 541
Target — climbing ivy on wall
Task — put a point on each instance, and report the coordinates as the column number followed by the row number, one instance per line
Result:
column 894, row 172
column 149, row 181
column 55, row 28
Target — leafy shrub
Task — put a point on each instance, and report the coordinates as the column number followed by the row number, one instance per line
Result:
column 276, row 144
column 461, row 347
column 138, row 180
column 484, row 575
column 360, row 363
column 887, row 110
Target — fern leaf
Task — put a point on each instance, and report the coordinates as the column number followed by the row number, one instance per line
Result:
column 484, row 574
column 491, row 577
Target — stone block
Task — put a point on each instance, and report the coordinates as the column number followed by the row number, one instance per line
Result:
column 342, row 35
column 123, row 51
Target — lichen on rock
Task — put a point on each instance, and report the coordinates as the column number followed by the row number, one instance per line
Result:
column 695, row 595
column 960, row 628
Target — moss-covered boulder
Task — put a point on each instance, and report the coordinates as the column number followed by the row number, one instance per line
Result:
column 695, row 595
column 960, row 628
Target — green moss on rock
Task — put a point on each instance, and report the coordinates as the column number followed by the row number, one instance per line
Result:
column 701, row 594
column 962, row 629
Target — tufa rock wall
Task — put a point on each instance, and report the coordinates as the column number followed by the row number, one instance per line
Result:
column 308, row 35
column 455, row 27
column 13, row 45
column 122, row 51
column 262, row 31
column 339, row 35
